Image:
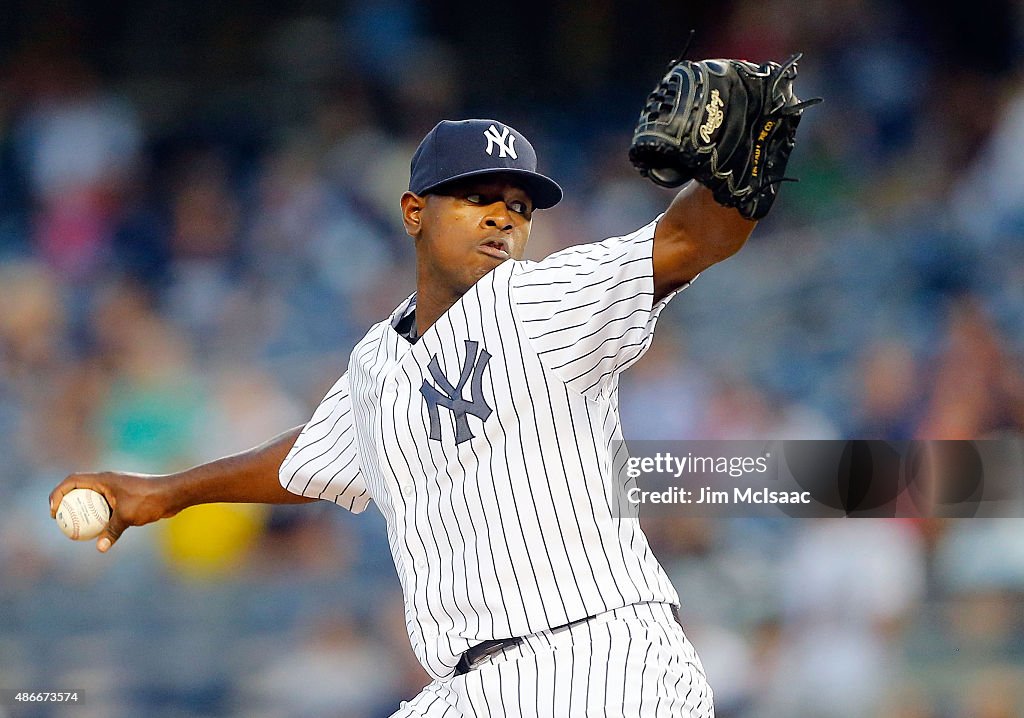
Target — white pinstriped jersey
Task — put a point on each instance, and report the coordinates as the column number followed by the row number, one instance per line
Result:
column 487, row 445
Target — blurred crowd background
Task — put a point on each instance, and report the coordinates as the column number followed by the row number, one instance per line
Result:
column 199, row 217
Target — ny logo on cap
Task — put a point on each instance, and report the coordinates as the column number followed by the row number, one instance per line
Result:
column 450, row 397
column 504, row 150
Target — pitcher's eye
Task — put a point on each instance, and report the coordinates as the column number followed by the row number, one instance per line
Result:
column 475, row 198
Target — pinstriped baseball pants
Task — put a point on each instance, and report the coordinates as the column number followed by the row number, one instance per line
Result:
column 631, row 662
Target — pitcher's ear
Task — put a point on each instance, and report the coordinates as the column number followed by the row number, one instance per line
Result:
column 412, row 213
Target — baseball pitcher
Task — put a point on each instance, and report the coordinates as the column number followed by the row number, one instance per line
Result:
column 482, row 414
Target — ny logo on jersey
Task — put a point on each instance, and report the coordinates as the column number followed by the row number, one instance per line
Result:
column 505, row 149
column 450, row 397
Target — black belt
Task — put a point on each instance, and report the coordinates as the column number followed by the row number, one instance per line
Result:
column 469, row 660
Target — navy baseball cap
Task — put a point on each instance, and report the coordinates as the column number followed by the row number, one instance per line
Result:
column 454, row 150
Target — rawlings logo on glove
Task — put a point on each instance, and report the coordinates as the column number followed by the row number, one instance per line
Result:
column 715, row 116
column 729, row 124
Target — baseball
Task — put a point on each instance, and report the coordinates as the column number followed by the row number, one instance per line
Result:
column 83, row 514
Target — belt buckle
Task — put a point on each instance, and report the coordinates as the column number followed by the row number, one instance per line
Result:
column 484, row 655
column 478, row 655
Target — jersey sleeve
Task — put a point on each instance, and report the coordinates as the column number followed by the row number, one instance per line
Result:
column 589, row 310
column 324, row 462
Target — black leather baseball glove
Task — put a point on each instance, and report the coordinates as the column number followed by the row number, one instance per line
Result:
column 729, row 124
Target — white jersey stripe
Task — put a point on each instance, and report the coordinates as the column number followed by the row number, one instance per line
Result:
column 493, row 537
column 588, row 321
column 492, row 334
column 585, row 453
column 550, row 518
column 518, row 375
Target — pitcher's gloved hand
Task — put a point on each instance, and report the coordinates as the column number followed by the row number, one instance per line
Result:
column 729, row 124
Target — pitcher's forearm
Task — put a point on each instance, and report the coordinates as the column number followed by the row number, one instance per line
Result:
column 695, row 233
column 140, row 499
column 248, row 477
